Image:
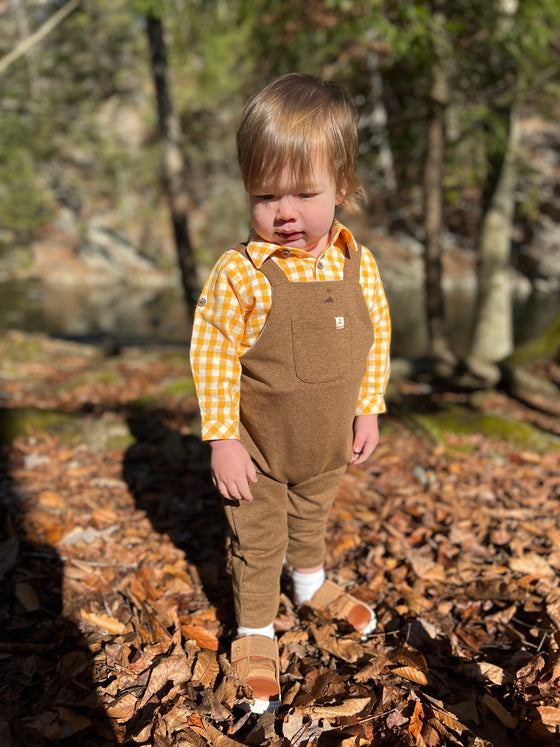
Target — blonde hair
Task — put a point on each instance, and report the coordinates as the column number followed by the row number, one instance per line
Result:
column 291, row 122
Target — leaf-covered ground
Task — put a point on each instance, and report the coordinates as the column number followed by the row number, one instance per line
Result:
column 116, row 615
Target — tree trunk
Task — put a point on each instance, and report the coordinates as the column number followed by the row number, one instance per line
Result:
column 433, row 179
column 493, row 334
column 374, row 118
column 173, row 162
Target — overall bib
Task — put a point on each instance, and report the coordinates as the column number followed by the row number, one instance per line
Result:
column 300, row 384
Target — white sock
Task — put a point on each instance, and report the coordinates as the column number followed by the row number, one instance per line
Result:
column 268, row 631
column 306, row 584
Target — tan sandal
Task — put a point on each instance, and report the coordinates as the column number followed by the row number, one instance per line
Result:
column 344, row 606
column 255, row 661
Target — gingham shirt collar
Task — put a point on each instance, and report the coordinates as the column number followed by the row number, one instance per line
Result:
column 259, row 251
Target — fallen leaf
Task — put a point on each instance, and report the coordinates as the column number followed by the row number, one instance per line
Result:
column 26, row 594
column 105, row 622
column 201, row 635
column 507, row 719
column 549, row 715
column 409, row 673
column 343, row 648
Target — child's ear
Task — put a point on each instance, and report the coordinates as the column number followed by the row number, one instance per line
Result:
column 340, row 195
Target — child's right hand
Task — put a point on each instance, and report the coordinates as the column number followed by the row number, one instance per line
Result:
column 232, row 469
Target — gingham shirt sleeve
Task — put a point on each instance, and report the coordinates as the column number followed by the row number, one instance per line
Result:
column 216, row 344
column 371, row 399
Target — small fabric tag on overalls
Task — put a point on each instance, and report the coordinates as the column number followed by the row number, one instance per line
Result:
column 339, row 322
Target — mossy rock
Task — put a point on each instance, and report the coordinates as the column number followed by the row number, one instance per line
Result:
column 20, row 421
column 108, row 432
column 497, row 427
column 27, row 347
column 542, row 347
column 179, row 388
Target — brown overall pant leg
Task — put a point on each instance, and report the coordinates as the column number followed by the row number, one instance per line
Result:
column 282, row 521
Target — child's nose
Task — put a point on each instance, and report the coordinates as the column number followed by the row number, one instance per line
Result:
column 284, row 209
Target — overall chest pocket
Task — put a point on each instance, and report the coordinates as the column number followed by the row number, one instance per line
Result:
column 322, row 349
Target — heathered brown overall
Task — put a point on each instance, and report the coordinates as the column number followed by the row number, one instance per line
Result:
column 300, row 384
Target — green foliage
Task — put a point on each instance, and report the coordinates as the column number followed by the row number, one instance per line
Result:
column 55, row 136
column 24, row 202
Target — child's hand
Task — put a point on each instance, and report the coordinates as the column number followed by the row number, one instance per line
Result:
column 366, row 436
column 232, row 469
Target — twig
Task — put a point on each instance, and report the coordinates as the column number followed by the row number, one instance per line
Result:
column 26, row 44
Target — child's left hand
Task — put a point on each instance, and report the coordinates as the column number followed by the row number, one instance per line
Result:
column 366, row 436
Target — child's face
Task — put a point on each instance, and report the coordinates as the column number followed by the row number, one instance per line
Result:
column 292, row 212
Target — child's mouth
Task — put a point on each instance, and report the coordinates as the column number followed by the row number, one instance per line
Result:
column 293, row 236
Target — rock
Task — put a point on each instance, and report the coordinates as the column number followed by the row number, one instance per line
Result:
column 107, row 251
column 104, row 255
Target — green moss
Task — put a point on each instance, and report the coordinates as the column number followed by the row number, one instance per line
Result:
column 542, row 347
column 99, row 376
column 180, row 388
column 19, row 348
column 19, row 421
column 500, row 427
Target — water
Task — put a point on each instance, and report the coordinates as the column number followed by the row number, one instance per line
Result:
column 141, row 316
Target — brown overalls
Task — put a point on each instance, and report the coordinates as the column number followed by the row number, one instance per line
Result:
column 300, row 384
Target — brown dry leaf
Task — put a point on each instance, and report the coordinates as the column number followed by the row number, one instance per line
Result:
column 372, row 669
column 507, row 719
column 343, row 648
column 416, row 721
column 50, row 499
column 531, row 564
column 206, row 668
column 105, row 622
column 298, row 729
column 486, row 672
column 447, row 718
column 210, row 733
column 203, row 637
column 409, row 673
column 169, row 669
column 549, row 715
column 410, row 657
column 122, row 708
column 553, row 608
column 349, row 707
column 26, row 594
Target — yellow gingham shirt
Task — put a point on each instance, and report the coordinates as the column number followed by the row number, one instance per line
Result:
column 234, row 307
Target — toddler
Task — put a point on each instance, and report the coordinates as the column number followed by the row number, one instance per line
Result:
column 290, row 357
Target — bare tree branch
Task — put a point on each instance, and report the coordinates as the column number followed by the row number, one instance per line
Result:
column 26, row 44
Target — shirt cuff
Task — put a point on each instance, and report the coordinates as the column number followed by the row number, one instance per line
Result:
column 220, row 431
column 372, row 405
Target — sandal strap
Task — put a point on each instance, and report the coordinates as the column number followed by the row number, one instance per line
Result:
column 256, row 656
column 339, row 603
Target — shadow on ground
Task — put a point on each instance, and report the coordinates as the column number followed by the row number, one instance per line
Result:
column 168, row 475
column 47, row 692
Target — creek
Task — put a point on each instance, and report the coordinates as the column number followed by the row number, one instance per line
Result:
column 129, row 315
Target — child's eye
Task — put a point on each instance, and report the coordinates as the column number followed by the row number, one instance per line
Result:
column 265, row 198
column 306, row 195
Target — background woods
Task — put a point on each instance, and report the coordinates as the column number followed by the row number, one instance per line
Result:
column 119, row 183
column 115, row 115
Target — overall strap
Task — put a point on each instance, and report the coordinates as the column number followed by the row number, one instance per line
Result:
column 352, row 264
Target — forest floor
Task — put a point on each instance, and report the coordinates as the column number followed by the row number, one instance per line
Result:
column 116, row 610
